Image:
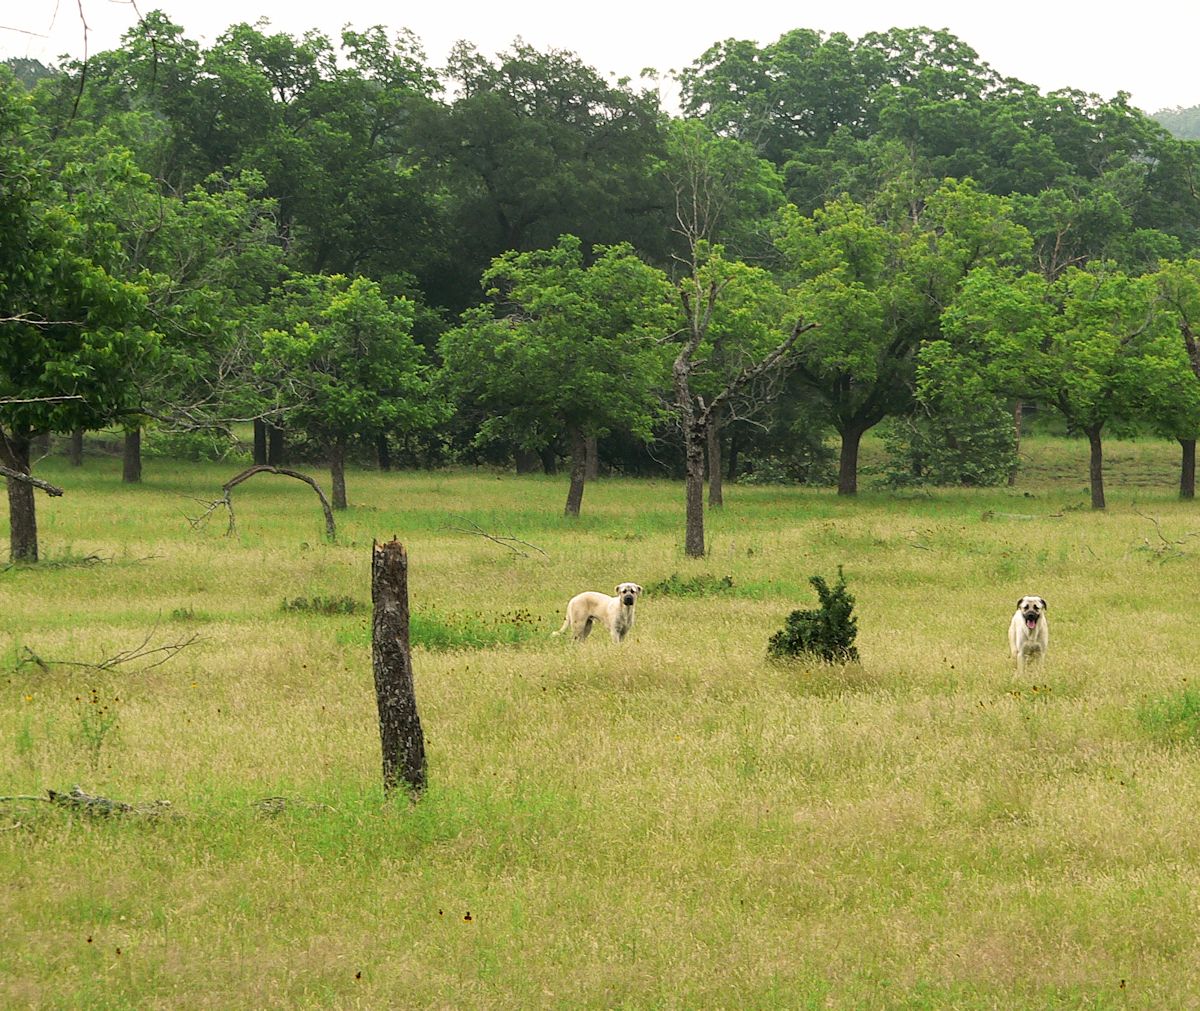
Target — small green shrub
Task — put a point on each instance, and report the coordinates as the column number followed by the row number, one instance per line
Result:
column 695, row 586
column 322, row 605
column 1173, row 720
column 976, row 450
column 826, row 633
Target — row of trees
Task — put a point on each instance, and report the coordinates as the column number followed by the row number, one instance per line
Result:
column 834, row 232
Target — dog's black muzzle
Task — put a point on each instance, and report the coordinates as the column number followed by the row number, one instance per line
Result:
column 628, row 600
column 1031, row 618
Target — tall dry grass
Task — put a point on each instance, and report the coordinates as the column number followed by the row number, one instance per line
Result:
column 674, row 822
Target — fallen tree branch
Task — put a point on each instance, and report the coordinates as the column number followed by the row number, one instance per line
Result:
column 268, row 807
column 52, row 490
column 1167, row 547
column 226, row 500
column 162, row 654
column 76, row 800
column 501, row 539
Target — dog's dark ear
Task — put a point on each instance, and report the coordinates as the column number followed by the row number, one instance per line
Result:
column 1019, row 599
column 617, row 590
column 1045, row 606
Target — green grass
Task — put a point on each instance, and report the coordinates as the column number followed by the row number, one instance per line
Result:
column 674, row 822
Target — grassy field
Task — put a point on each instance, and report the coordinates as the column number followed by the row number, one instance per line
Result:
column 671, row 823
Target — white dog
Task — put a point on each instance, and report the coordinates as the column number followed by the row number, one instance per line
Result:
column 1029, row 632
column 615, row 612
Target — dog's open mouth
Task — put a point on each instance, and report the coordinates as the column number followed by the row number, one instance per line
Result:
column 1031, row 621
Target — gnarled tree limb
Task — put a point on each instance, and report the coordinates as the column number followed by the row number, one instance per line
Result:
column 52, row 490
column 226, row 500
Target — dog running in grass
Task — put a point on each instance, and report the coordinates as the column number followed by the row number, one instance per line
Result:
column 615, row 613
column 1029, row 632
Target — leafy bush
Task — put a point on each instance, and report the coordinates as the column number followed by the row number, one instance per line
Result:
column 826, row 633
column 696, row 586
column 322, row 605
column 1173, row 720
column 976, row 448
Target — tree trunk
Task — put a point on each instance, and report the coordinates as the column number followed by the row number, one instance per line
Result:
column 276, row 448
column 1187, row 469
column 716, row 493
column 383, row 452
column 400, row 734
column 1018, row 417
column 1096, row 466
column 693, row 540
column 337, row 472
column 848, row 464
column 22, row 509
column 75, row 448
column 593, row 458
column 549, row 464
column 131, row 471
column 732, row 472
column 578, row 471
column 527, row 461
column 260, row 442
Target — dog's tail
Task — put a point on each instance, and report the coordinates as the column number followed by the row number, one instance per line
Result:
column 565, row 625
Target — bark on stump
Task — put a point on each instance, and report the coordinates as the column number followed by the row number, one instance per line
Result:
column 400, row 731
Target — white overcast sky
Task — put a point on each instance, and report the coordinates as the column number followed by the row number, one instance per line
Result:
column 1148, row 49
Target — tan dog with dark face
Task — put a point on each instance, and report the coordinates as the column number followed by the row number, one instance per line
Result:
column 1029, row 632
column 616, row 613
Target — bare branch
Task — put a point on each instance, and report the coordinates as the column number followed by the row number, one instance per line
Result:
column 6, row 401
column 502, row 539
column 15, row 475
column 226, row 500
column 753, row 372
column 142, row 651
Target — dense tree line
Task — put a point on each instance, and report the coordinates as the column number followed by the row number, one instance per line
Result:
column 513, row 259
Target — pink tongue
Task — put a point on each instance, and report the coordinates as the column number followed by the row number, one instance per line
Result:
column 1031, row 622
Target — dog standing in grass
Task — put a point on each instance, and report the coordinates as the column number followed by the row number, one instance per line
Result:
column 615, row 613
column 1029, row 632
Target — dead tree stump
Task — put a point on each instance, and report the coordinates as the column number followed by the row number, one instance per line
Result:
column 399, row 723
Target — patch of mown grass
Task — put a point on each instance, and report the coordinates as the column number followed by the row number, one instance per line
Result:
column 433, row 631
column 1173, row 719
column 444, row 632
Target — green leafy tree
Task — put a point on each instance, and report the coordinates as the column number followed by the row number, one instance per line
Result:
column 1179, row 299
column 536, row 145
column 726, row 197
column 343, row 357
column 877, row 281
column 69, row 325
column 730, row 346
column 563, row 347
column 1089, row 343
